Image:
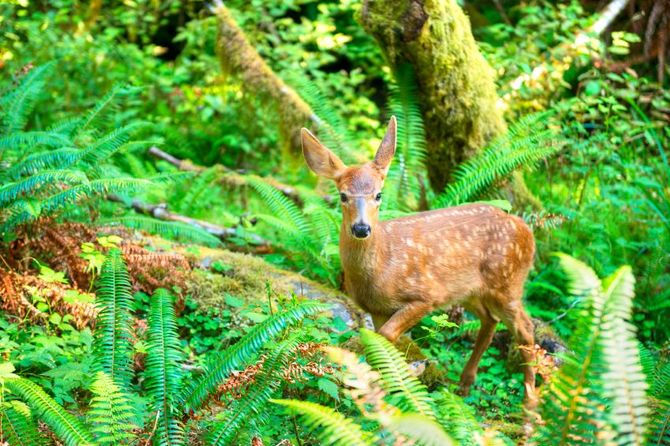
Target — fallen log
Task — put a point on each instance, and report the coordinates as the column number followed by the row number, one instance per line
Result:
column 189, row 166
column 160, row 212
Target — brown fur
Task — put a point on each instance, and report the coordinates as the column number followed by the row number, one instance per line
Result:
column 473, row 255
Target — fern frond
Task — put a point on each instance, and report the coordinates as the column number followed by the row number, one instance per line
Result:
column 457, row 418
column 410, row 155
column 19, row 103
column 163, row 368
column 624, row 382
column 18, row 427
column 332, row 130
column 330, row 427
column 245, row 349
column 659, row 424
column 241, row 411
column 59, row 158
column 280, row 205
column 31, row 185
column 397, row 379
column 103, row 104
column 425, row 431
column 110, row 414
column 105, row 146
column 112, row 346
column 28, row 140
column 68, row 428
column 91, row 189
column 172, row 230
column 580, row 389
column 524, row 145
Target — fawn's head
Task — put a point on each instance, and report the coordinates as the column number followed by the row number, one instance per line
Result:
column 360, row 187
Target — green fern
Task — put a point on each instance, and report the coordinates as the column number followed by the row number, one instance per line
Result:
column 397, row 379
column 623, row 381
column 168, row 229
column 241, row 411
column 245, row 349
column 425, row 431
column 18, row 427
column 110, row 414
column 604, row 369
column 332, row 129
column 28, row 140
column 19, row 103
column 331, row 427
column 13, row 191
column 68, row 428
column 402, row 185
column 163, row 369
column 457, row 418
column 112, row 346
column 30, row 165
column 526, row 143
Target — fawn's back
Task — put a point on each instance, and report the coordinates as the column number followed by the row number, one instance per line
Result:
column 441, row 257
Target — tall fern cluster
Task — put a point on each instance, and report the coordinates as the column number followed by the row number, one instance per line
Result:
column 110, row 418
column 599, row 393
column 44, row 172
column 406, row 409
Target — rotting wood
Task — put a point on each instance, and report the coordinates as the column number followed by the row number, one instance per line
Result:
column 189, row 166
column 160, row 212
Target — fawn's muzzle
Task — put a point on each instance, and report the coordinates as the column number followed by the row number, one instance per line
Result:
column 361, row 230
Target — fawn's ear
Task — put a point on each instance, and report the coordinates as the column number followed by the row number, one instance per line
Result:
column 386, row 149
column 322, row 161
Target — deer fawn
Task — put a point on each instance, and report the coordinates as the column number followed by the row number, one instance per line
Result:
column 474, row 255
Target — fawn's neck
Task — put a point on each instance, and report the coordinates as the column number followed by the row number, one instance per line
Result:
column 361, row 258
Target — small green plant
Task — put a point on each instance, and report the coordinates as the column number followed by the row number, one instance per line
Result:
column 109, row 419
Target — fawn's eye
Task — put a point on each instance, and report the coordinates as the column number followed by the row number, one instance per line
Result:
column 378, row 197
column 343, row 197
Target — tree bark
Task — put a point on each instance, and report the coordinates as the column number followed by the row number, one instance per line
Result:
column 457, row 89
column 238, row 56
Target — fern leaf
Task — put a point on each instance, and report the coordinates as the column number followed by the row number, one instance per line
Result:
column 457, row 418
column 91, row 189
column 659, row 425
column 18, row 104
column 163, row 369
column 110, row 414
column 97, row 110
column 411, row 140
column 424, row 430
column 68, row 428
column 331, row 427
column 524, row 145
column 28, row 140
column 241, row 411
column 20, row 189
column 173, row 230
column 397, row 378
column 245, row 349
column 18, row 427
column 105, row 146
column 112, row 346
column 624, row 381
column 279, row 204
column 60, row 158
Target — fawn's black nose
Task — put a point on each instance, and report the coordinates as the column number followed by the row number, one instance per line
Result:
column 361, row 230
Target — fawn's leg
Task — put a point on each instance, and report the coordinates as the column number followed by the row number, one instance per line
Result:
column 404, row 319
column 379, row 320
column 484, row 337
column 521, row 326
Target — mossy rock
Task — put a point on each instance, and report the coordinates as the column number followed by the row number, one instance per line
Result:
column 251, row 278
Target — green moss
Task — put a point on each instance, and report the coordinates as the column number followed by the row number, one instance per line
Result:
column 457, row 86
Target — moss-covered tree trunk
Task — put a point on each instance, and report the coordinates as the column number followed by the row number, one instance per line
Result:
column 457, row 90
